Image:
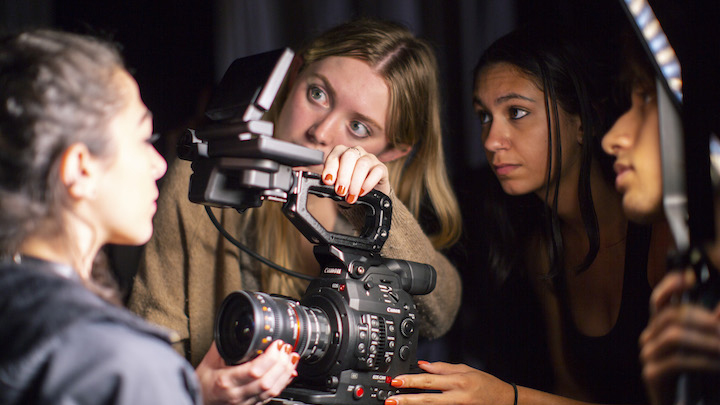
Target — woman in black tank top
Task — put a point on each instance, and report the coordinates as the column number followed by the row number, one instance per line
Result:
column 558, row 228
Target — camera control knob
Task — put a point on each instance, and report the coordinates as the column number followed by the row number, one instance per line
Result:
column 404, row 352
column 358, row 392
column 407, row 327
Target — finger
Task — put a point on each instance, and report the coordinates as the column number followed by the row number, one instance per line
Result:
column 428, row 381
column 252, row 388
column 331, row 165
column 661, row 370
column 213, row 358
column 689, row 317
column 363, row 167
column 377, row 179
column 281, row 382
column 345, row 171
column 424, row 399
column 440, row 367
column 683, row 337
column 673, row 284
column 265, row 361
column 279, row 375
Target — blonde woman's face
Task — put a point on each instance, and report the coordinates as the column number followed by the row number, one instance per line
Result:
column 127, row 191
column 337, row 101
column 511, row 108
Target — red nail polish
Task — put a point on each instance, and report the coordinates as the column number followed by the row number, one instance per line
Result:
column 341, row 190
column 391, row 401
column 396, row 383
column 328, row 177
column 351, row 198
column 423, row 362
column 288, row 349
column 295, row 358
column 362, row 192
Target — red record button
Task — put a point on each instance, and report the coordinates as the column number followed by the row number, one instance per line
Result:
column 358, row 392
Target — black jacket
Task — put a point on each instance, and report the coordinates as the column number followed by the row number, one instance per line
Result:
column 62, row 344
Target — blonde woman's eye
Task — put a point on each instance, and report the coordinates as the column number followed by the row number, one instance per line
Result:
column 359, row 129
column 517, row 113
column 315, row 93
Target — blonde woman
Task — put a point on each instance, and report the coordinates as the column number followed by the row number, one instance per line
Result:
column 366, row 94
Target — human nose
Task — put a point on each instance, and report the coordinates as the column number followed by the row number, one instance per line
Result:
column 618, row 137
column 158, row 165
column 323, row 131
column 497, row 139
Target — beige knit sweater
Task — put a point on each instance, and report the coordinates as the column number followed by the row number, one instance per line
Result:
column 188, row 268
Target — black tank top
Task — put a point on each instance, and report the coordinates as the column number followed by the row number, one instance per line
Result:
column 608, row 366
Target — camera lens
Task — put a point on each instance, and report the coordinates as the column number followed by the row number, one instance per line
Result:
column 249, row 321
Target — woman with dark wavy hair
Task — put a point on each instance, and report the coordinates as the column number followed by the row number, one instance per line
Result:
column 560, row 227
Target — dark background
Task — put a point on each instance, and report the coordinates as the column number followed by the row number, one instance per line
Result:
column 177, row 50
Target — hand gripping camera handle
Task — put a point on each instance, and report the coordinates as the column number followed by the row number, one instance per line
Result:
column 378, row 211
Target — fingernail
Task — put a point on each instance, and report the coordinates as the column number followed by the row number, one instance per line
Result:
column 391, row 401
column 396, row 383
column 294, row 373
column 288, row 349
column 423, row 362
column 279, row 344
column 295, row 358
column 341, row 190
column 328, row 177
column 351, row 198
column 362, row 192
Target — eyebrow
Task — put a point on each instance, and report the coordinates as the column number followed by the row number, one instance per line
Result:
column 333, row 93
column 504, row 98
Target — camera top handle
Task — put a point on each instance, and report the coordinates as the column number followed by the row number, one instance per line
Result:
column 378, row 211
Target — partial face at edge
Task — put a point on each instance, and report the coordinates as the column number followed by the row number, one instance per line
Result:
column 127, row 190
column 634, row 140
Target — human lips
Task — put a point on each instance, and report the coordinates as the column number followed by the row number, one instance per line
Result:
column 502, row 169
column 622, row 170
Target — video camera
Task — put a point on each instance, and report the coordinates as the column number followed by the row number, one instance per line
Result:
column 355, row 326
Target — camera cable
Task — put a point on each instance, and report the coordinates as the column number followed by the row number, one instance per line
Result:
column 250, row 252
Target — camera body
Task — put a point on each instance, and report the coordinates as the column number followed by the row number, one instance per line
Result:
column 355, row 326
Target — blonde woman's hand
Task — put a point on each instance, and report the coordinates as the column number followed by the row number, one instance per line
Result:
column 250, row 383
column 457, row 383
column 354, row 172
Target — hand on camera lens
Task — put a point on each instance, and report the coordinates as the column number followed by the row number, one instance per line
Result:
column 354, row 172
column 255, row 381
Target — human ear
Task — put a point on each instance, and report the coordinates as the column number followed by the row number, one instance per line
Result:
column 78, row 170
column 394, row 152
